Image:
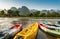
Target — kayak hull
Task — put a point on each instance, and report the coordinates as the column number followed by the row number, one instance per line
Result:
column 11, row 31
column 28, row 33
column 50, row 32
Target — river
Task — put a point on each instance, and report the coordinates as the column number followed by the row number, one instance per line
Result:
column 7, row 22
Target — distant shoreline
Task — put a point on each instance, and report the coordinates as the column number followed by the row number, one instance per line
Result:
column 34, row 17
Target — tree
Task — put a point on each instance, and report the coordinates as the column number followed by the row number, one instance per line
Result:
column 16, row 13
column 31, row 15
column 43, row 15
column 2, row 13
column 48, row 14
column 10, row 13
column 36, row 14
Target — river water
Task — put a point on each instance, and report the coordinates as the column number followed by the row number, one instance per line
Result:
column 5, row 23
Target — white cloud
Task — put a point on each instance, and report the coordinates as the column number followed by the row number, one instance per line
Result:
column 7, row 4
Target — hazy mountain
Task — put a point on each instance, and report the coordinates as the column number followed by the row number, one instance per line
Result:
column 13, row 8
column 44, row 11
column 19, row 9
column 24, row 10
column 33, row 10
column 58, row 11
column 52, row 10
column 5, row 11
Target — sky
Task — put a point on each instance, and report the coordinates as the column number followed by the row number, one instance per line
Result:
column 31, row 4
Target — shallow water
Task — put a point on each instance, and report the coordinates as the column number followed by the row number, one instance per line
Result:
column 8, row 22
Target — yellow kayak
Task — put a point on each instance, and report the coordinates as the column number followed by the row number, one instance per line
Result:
column 28, row 33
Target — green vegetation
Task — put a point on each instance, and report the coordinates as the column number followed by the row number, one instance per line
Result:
column 12, row 13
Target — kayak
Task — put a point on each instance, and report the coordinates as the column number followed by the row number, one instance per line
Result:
column 28, row 33
column 57, row 23
column 45, row 22
column 6, row 34
column 52, row 30
column 50, row 23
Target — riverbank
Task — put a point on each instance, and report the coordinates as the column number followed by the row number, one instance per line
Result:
column 35, row 17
